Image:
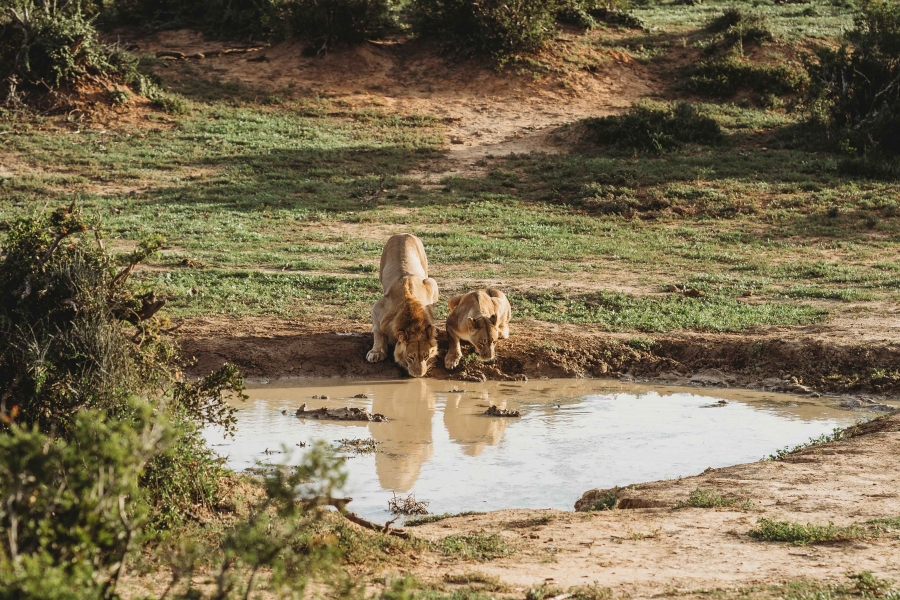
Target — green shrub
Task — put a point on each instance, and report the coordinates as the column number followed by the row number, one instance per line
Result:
column 739, row 27
column 45, row 47
column 801, row 535
column 76, row 333
column 321, row 22
column 654, row 127
column 499, row 28
column 326, row 22
column 590, row 13
column 220, row 19
column 70, row 509
column 726, row 76
column 855, row 91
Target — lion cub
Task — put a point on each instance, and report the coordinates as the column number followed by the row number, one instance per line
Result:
column 480, row 318
column 404, row 315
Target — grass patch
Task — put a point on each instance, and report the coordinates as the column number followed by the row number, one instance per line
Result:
column 479, row 546
column 701, row 498
column 606, row 501
column 477, row 580
column 581, row 592
column 768, row 530
column 530, row 523
column 837, row 435
column 622, row 312
column 425, row 520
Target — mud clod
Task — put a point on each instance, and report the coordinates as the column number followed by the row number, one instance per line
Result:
column 360, row 395
column 493, row 411
column 349, row 413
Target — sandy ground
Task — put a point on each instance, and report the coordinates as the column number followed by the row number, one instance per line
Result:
column 659, row 550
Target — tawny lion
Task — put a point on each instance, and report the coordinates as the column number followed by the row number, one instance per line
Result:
column 481, row 318
column 404, row 316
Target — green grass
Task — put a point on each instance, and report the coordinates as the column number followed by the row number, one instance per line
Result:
column 286, row 197
column 479, row 546
column 837, row 435
column 425, row 520
column 701, row 498
column 768, row 530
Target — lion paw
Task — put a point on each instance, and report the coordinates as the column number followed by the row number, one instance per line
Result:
column 450, row 362
column 375, row 356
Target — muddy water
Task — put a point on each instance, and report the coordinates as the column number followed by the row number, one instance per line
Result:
column 573, row 435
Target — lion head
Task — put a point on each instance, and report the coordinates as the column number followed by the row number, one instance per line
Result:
column 484, row 333
column 415, row 351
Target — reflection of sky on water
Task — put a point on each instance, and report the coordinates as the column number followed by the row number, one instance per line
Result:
column 573, row 435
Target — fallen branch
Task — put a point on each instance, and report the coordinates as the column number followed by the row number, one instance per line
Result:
column 341, row 505
column 209, row 54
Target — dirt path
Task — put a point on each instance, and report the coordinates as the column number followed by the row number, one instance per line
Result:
column 658, row 550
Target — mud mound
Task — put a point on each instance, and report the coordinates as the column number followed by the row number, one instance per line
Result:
column 782, row 360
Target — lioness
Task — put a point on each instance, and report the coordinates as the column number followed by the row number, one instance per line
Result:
column 404, row 316
column 481, row 318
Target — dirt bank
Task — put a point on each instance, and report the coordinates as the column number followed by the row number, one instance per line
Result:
column 795, row 360
column 660, row 550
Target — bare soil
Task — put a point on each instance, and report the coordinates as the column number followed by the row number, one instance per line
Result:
column 651, row 549
column 814, row 359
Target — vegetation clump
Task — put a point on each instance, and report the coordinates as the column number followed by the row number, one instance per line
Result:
column 726, row 76
column 769, row 530
column 499, row 28
column 47, row 49
column 701, row 498
column 738, row 27
column 855, row 91
column 655, row 128
column 479, row 546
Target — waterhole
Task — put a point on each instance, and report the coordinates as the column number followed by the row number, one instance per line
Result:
column 572, row 435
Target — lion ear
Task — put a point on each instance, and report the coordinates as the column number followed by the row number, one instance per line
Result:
column 401, row 336
column 493, row 319
column 470, row 322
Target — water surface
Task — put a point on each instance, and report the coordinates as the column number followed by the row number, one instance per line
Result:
column 573, row 435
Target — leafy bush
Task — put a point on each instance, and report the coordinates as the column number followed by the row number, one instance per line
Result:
column 323, row 22
column 499, row 28
column 44, row 47
column 326, row 22
column 590, row 13
column 726, row 76
column 654, row 127
column 76, row 333
column 70, row 509
column 856, row 88
column 222, row 19
column 739, row 27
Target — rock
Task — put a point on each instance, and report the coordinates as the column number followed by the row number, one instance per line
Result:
column 590, row 498
column 747, row 293
column 360, row 396
column 867, row 404
column 493, row 411
column 350, row 413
